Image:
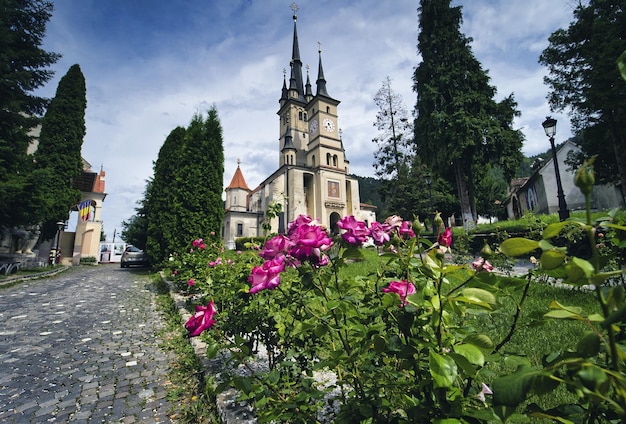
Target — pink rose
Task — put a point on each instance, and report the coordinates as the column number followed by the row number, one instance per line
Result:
column 445, row 238
column 300, row 220
column 216, row 262
column 201, row 320
column 355, row 232
column 191, row 282
column 392, row 222
column 406, row 230
column 481, row 264
column 309, row 241
column 402, row 288
column 267, row 276
column 275, row 246
column 379, row 234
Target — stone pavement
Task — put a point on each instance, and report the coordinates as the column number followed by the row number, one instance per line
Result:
column 82, row 347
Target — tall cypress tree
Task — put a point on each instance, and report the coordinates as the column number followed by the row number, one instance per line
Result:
column 23, row 69
column 199, row 208
column 160, row 197
column 60, row 144
column 459, row 126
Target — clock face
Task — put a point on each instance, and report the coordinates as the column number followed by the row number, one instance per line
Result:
column 313, row 127
column 329, row 125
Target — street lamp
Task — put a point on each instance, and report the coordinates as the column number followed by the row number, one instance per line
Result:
column 429, row 183
column 60, row 225
column 549, row 126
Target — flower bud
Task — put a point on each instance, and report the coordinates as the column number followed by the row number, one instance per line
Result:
column 438, row 220
column 486, row 251
column 585, row 177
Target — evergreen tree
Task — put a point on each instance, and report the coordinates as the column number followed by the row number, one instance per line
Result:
column 585, row 81
column 160, row 198
column 23, row 69
column 459, row 128
column 59, row 151
column 199, row 209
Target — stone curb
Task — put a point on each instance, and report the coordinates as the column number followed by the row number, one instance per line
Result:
column 37, row 276
column 229, row 410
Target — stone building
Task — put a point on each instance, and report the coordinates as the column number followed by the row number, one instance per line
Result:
column 313, row 175
column 538, row 193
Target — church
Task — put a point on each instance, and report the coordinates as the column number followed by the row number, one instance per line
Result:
column 313, row 175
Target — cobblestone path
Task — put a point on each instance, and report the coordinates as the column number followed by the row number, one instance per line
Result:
column 82, row 347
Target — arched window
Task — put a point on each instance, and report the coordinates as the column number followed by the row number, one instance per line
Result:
column 335, row 160
column 313, row 161
column 327, row 109
column 306, row 118
column 300, row 115
column 328, row 159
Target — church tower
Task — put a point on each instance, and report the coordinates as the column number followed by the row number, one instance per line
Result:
column 313, row 173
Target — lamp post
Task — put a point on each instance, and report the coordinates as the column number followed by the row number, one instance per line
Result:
column 549, row 126
column 429, row 183
column 60, row 225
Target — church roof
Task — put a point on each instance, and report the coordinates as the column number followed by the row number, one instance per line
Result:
column 238, row 181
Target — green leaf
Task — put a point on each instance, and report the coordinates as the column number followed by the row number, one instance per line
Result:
column 511, row 390
column 578, row 271
column 470, row 352
column 554, row 229
column 442, row 369
column 517, row 246
column 211, row 350
column 592, row 376
column 589, row 345
column 551, row 259
column 621, row 64
column 481, row 341
column 564, row 312
column 479, row 296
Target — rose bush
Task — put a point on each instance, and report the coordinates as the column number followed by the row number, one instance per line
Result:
column 401, row 343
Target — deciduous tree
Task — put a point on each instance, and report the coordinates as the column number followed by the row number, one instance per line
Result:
column 585, row 81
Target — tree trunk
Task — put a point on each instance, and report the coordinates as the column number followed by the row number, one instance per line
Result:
column 464, row 197
column 619, row 146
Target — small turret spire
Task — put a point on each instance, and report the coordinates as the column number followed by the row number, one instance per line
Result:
column 321, row 82
column 284, row 94
column 308, row 93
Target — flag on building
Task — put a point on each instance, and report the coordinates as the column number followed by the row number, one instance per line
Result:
column 84, row 209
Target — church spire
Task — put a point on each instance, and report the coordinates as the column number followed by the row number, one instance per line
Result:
column 321, row 82
column 296, row 82
column 308, row 92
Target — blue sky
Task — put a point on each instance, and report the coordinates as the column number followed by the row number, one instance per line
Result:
column 151, row 64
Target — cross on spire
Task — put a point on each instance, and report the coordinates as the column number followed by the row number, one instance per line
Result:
column 319, row 47
column 294, row 7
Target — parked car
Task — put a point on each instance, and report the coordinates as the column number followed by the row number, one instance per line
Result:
column 134, row 256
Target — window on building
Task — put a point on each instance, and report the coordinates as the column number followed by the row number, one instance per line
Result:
column 335, row 160
column 306, row 118
column 327, row 109
column 300, row 115
column 328, row 159
column 239, row 230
